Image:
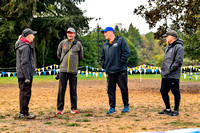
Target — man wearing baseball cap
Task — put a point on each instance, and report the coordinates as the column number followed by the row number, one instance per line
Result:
column 171, row 71
column 115, row 53
column 25, row 70
column 70, row 53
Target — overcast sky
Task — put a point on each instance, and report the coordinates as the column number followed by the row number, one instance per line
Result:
column 115, row 11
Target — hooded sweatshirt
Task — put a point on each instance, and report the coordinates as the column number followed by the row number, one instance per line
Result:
column 173, row 60
column 24, row 59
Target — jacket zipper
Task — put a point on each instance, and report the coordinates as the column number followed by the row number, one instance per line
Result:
column 69, row 53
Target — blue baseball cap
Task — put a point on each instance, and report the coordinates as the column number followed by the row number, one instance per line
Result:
column 108, row 29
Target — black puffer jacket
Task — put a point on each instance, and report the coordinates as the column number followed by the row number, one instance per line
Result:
column 173, row 59
column 114, row 56
column 24, row 60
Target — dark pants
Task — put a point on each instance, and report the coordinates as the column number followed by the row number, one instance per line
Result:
column 121, row 79
column 172, row 84
column 64, row 77
column 24, row 95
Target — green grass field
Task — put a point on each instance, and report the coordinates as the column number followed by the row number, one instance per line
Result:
column 41, row 79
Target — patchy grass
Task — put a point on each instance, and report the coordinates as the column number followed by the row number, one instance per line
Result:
column 23, row 125
column 88, row 111
column 93, row 128
column 41, row 113
column 93, row 103
column 144, row 128
column 83, row 120
column 3, row 120
column 3, row 129
column 117, row 116
column 181, row 123
column 73, row 124
column 122, row 128
column 48, row 123
column 2, row 117
column 88, row 115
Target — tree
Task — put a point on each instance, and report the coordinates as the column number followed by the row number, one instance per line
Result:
column 50, row 18
column 183, row 13
column 192, row 46
column 124, row 32
column 150, row 52
column 133, row 58
column 90, row 48
column 134, row 35
column 53, row 19
column 116, row 28
column 185, row 17
column 15, row 15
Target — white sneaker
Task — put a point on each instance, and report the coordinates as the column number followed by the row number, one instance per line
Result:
column 74, row 111
column 59, row 112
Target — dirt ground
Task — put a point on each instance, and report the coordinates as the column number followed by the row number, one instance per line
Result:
column 144, row 98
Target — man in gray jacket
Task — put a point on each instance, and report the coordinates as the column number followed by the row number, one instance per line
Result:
column 171, row 71
column 70, row 53
column 25, row 70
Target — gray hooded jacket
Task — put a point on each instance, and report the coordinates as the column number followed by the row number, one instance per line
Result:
column 173, row 59
column 70, row 61
column 24, row 60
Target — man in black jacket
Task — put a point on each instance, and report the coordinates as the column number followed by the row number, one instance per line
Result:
column 115, row 53
column 25, row 70
column 171, row 71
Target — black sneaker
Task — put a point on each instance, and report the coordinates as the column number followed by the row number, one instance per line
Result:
column 173, row 113
column 29, row 116
column 21, row 116
column 164, row 112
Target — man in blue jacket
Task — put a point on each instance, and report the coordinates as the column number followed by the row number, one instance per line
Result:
column 171, row 71
column 115, row 53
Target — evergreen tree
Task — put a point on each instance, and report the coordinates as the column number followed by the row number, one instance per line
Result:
column 15, row 15
column 134, row 35
column 124, row 32
column 50, row 18
column 116, row 28
column 90, row 48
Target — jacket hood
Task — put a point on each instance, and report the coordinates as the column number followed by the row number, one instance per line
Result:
column 20, row 43
column 178, row 41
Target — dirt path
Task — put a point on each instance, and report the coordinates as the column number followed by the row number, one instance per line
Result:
column 145, row 101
